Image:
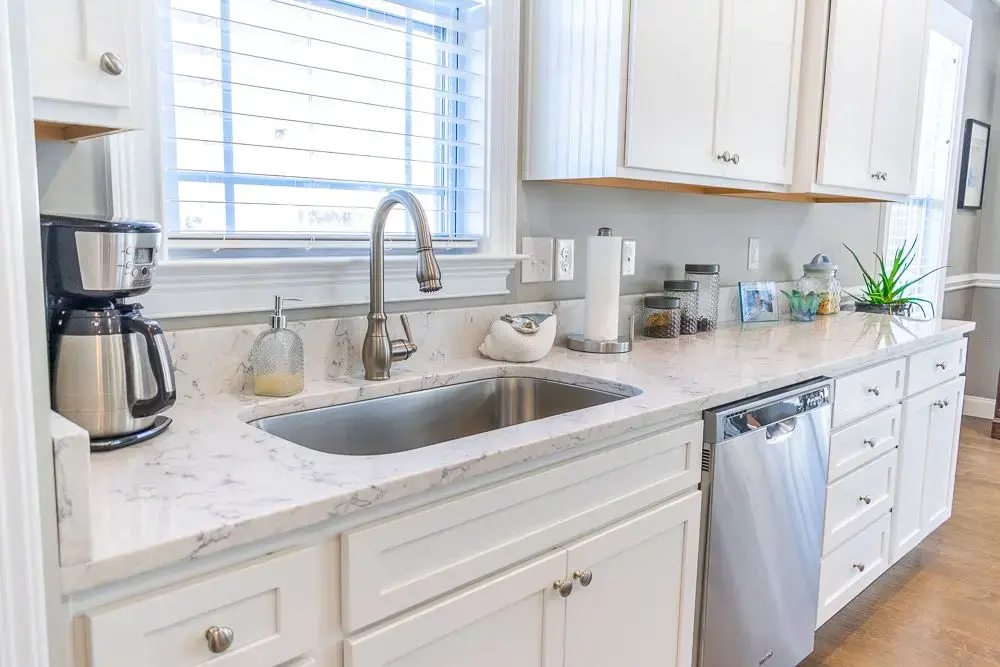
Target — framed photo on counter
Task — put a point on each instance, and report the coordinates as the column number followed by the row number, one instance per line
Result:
column 975, row 147
column 759, row 302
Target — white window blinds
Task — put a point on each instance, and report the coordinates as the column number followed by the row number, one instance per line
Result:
column 290, row 119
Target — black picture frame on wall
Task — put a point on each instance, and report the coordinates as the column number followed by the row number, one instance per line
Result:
column 972, row 179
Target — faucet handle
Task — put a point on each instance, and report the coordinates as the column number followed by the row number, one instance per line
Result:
column 404, row 349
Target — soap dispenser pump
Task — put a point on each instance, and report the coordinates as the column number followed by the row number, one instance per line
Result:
column 276, row 364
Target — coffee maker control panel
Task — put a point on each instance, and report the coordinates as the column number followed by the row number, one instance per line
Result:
column 96, row 260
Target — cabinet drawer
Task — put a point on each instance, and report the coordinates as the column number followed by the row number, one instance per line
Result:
column 271, row 607
column 855, row 500
column 848, row 570
column 403, row 561
column 865, row 441
column 932, row 367
column 867, row 391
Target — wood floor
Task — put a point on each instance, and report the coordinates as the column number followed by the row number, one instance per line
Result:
column 940, row 605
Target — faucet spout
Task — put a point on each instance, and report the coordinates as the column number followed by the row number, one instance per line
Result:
column 379, row 350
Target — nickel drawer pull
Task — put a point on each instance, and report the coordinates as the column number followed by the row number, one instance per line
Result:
column 873, row 390
column 860, row 567
column 942, row 365
column 871, row 442
column 867, row 500
column 219, row 638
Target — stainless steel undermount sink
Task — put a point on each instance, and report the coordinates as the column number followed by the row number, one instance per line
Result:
column 426, row 417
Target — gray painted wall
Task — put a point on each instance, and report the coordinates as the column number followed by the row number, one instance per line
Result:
column 980, row 90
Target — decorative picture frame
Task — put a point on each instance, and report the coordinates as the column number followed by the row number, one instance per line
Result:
column 759, row 301
column 975, row 150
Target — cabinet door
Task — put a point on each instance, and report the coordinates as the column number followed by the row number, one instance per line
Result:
column 760, row 98
column 942, row 454
column 898, row 97
column 849, row 93
column 638, row 609
column 906, row 528
column 672, row 86
column 516, row 618
column 68, row 38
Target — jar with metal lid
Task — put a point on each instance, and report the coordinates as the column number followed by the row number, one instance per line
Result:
column 687, row 292
column 707, row 276
column 820, row 276
column 661, row 317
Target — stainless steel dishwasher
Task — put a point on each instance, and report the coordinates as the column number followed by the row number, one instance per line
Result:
column 764, row 472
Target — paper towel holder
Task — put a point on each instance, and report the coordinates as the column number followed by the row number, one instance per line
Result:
column 579, row 343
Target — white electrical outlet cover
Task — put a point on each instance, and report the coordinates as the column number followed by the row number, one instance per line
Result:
column 628, row 257
column 565, row 259
column 537, row 267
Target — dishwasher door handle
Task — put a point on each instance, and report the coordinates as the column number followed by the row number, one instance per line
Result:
column 781, row 431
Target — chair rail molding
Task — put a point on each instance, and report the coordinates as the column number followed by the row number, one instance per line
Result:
column 25, row 614
column 962, row 281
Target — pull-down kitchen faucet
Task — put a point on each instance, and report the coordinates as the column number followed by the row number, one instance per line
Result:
column 379, row 351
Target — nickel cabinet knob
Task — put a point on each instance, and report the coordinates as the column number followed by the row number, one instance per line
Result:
column 111, row 63
column 870, row 442
column 219, row 638
column 736, row 158
column 584, row 577
column 564, row 588
column 873, row 391
column 942, row 365
column 724, row 156
column 867, row 500
column 860, row 567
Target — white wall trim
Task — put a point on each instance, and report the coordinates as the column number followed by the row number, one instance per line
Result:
column 23, row 608
column 185, row 288
column 968, row 280
column 976, row 406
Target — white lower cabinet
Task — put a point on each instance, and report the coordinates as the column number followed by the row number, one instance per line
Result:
column 515, row 618
column 851, row 567
column 928, row 455
column 638, row 608
column 623, row 596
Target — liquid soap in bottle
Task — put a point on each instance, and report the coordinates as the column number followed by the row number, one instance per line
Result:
column 276, row 364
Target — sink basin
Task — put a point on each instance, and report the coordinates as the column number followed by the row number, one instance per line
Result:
column 417, row 419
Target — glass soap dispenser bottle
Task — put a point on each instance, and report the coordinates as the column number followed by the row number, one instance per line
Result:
column 276, row 364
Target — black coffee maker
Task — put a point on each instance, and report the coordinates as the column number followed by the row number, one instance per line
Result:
column 110, row 367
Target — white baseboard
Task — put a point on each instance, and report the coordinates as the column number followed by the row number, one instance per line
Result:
column 979, row 407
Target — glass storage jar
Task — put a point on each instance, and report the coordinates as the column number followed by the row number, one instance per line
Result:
column 820, row 276
column 661, row 317
column 707, row 277
column 687, row 292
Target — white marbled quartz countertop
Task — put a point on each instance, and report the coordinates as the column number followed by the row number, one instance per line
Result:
column 212, row 481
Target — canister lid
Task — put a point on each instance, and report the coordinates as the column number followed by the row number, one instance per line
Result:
column 681, row 285
column 662, row 302
column 821, row 263
column 701, row 268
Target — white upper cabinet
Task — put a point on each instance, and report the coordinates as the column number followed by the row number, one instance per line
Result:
column 899, row 95
column 695, row 93
column 88, row 64
column 863, row 94
column 761, row 57
column 673, row 111
column 849, row 100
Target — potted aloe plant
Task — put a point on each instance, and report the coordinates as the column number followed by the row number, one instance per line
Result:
column 885, row 291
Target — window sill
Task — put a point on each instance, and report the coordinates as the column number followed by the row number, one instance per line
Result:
column 186, row 288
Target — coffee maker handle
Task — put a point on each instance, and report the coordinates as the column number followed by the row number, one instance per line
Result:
column 160, row 363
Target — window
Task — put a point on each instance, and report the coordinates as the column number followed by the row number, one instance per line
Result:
column 288, row 120
column 926, row 217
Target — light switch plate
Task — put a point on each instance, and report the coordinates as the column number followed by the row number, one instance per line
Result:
column 565, row 259
column 753, row 255
column 537, row 268
column 628, row 257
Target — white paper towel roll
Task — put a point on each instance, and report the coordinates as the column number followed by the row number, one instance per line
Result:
column 604, row 257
